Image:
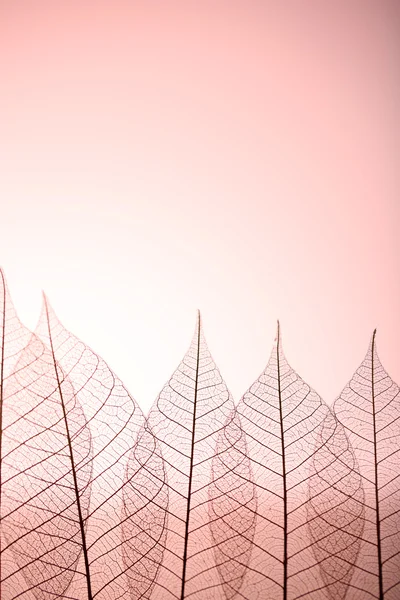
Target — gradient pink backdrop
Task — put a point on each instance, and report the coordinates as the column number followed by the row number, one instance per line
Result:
column 241, row 157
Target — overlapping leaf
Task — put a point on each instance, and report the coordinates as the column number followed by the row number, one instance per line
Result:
column 114, row 558
column 335, row 509
column 201, row 500
column 232, row 507
column 144, row 515
column 46, row 478
column 369, row 409
column 282, row 419
column 14, row 337
column 187, row 417
column 68, row 492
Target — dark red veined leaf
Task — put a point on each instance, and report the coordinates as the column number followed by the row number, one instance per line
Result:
column 115, row 558
column 47, row 476
column 186, row 419
column 282, row 419
column 17, row 406
column 369, row 409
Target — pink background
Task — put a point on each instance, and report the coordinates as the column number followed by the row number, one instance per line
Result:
column 241, row 157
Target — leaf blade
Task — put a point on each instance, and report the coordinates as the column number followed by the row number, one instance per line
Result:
column 47, row 484
column 186, row 419
column 16, row 345
column 115, row 421
column 282, row 419
column 369, row 409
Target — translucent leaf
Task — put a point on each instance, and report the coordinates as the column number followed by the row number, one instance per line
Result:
column 116, row 558
column 336, row 508
column 26, row 562
column 232, row 506
column 186, row 419
column 369, row 409
column 144, row 515
column 294, row 459
column 47, row 474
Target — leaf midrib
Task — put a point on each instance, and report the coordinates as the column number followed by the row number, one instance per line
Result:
column 378, row 521
column 186, row 539
column 285, row 511
column 74, row 475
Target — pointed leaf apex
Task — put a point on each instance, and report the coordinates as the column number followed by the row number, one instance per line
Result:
column 45, row 300
column 373, row 340
column 277, row 345
column 372, row 343
column 198, row 330
column 278, row 337
column 47, row 309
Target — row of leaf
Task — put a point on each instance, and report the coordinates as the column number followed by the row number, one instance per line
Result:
column 279, row 497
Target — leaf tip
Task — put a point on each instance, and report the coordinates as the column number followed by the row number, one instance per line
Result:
column 278, row 333
column 372, row 343
column 44, row 299
column 373, row 340
column 198, row 329
column 46, row 306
